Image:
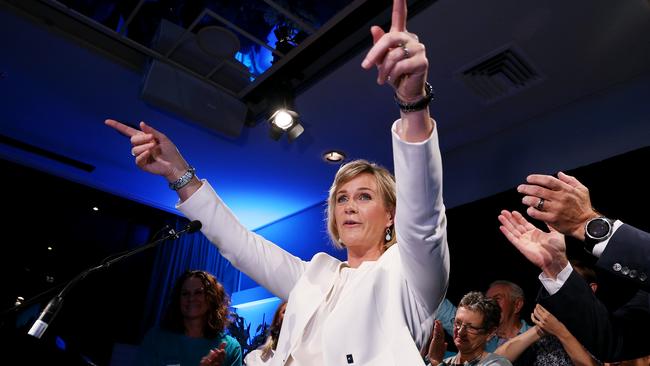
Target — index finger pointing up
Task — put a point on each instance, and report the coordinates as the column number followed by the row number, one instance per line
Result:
column 398, row 21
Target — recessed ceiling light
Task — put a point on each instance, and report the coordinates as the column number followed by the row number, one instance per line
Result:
column 95, row 208
column 334, row 156
column 49, row 248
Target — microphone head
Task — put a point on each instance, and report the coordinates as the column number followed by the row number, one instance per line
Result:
column 194, row 226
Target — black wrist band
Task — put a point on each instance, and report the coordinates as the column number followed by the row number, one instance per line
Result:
column 417, row 105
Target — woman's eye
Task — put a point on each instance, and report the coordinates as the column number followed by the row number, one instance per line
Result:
column 341, row 199
column 364, row 197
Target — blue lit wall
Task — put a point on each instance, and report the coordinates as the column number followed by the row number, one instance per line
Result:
column 302, row 234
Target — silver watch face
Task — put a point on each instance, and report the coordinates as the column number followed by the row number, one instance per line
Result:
column 598, row 228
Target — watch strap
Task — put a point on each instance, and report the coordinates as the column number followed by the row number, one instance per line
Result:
column 419, row 104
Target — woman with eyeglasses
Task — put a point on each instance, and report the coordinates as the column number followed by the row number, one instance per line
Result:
column 476, row 322
column 192, row 331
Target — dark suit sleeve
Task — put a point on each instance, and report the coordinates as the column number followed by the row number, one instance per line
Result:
column 582, row 313
column 627, row 256
column 610, row 334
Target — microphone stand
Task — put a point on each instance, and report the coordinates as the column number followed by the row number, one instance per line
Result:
column 53, row 307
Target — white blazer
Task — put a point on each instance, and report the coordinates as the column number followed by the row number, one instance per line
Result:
column 382, row 317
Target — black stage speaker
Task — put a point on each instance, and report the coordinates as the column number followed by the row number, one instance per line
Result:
column 181, row 93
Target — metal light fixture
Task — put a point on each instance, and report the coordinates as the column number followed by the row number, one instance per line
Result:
column 285, row 120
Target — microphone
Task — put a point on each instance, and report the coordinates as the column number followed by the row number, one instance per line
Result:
column 52, row 308
column 191, row 227
column 194, row 226
column 43, row 321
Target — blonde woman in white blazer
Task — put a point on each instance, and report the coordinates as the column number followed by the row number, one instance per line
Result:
column 377, row 307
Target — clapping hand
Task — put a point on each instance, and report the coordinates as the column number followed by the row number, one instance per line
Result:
column 545, row 250
column 437, row 345
column 546, row 321
column 565, row 202
column 215, row 357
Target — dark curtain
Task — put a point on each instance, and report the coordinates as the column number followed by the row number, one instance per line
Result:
column 190, row 251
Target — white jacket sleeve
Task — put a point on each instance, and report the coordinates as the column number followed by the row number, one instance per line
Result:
column 266, row 263
column 420, row 221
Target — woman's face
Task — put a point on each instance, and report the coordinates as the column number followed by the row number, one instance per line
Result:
column 360, row 213
column 469, row 336
column 193, row 300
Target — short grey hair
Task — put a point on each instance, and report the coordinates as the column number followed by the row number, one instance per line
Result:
column 477, row 302
column 515, row 291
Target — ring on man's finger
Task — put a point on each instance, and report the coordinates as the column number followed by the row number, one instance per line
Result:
column 540, row 204
column 405, row 50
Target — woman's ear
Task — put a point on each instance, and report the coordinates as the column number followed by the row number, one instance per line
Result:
column 390, row 215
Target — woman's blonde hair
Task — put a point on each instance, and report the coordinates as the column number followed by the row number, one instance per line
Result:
column 385, row 184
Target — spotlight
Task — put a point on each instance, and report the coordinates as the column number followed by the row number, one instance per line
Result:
column 285, row 120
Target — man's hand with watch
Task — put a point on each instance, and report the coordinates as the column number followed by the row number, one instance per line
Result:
column 567, row 208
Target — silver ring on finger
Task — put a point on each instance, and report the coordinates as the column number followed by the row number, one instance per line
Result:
column 406, row 51
column 132, row 153
column 540, row 204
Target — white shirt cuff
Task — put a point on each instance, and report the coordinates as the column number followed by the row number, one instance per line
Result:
column 600, row 247
column 553, row 285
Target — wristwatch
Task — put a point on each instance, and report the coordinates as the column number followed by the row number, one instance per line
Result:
column 597, row 230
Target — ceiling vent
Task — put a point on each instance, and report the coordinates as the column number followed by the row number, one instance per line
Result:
column 501, row 74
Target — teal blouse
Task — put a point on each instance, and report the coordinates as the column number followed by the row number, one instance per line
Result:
column 164, row 348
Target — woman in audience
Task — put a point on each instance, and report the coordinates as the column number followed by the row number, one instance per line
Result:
column 554, row 344
column 263, row 355
column 477, row 319
column 192, row 331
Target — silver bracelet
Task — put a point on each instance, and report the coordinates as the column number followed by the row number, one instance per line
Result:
column 183, row 180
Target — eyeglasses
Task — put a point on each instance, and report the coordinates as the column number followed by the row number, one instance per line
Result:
column 458, row 325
